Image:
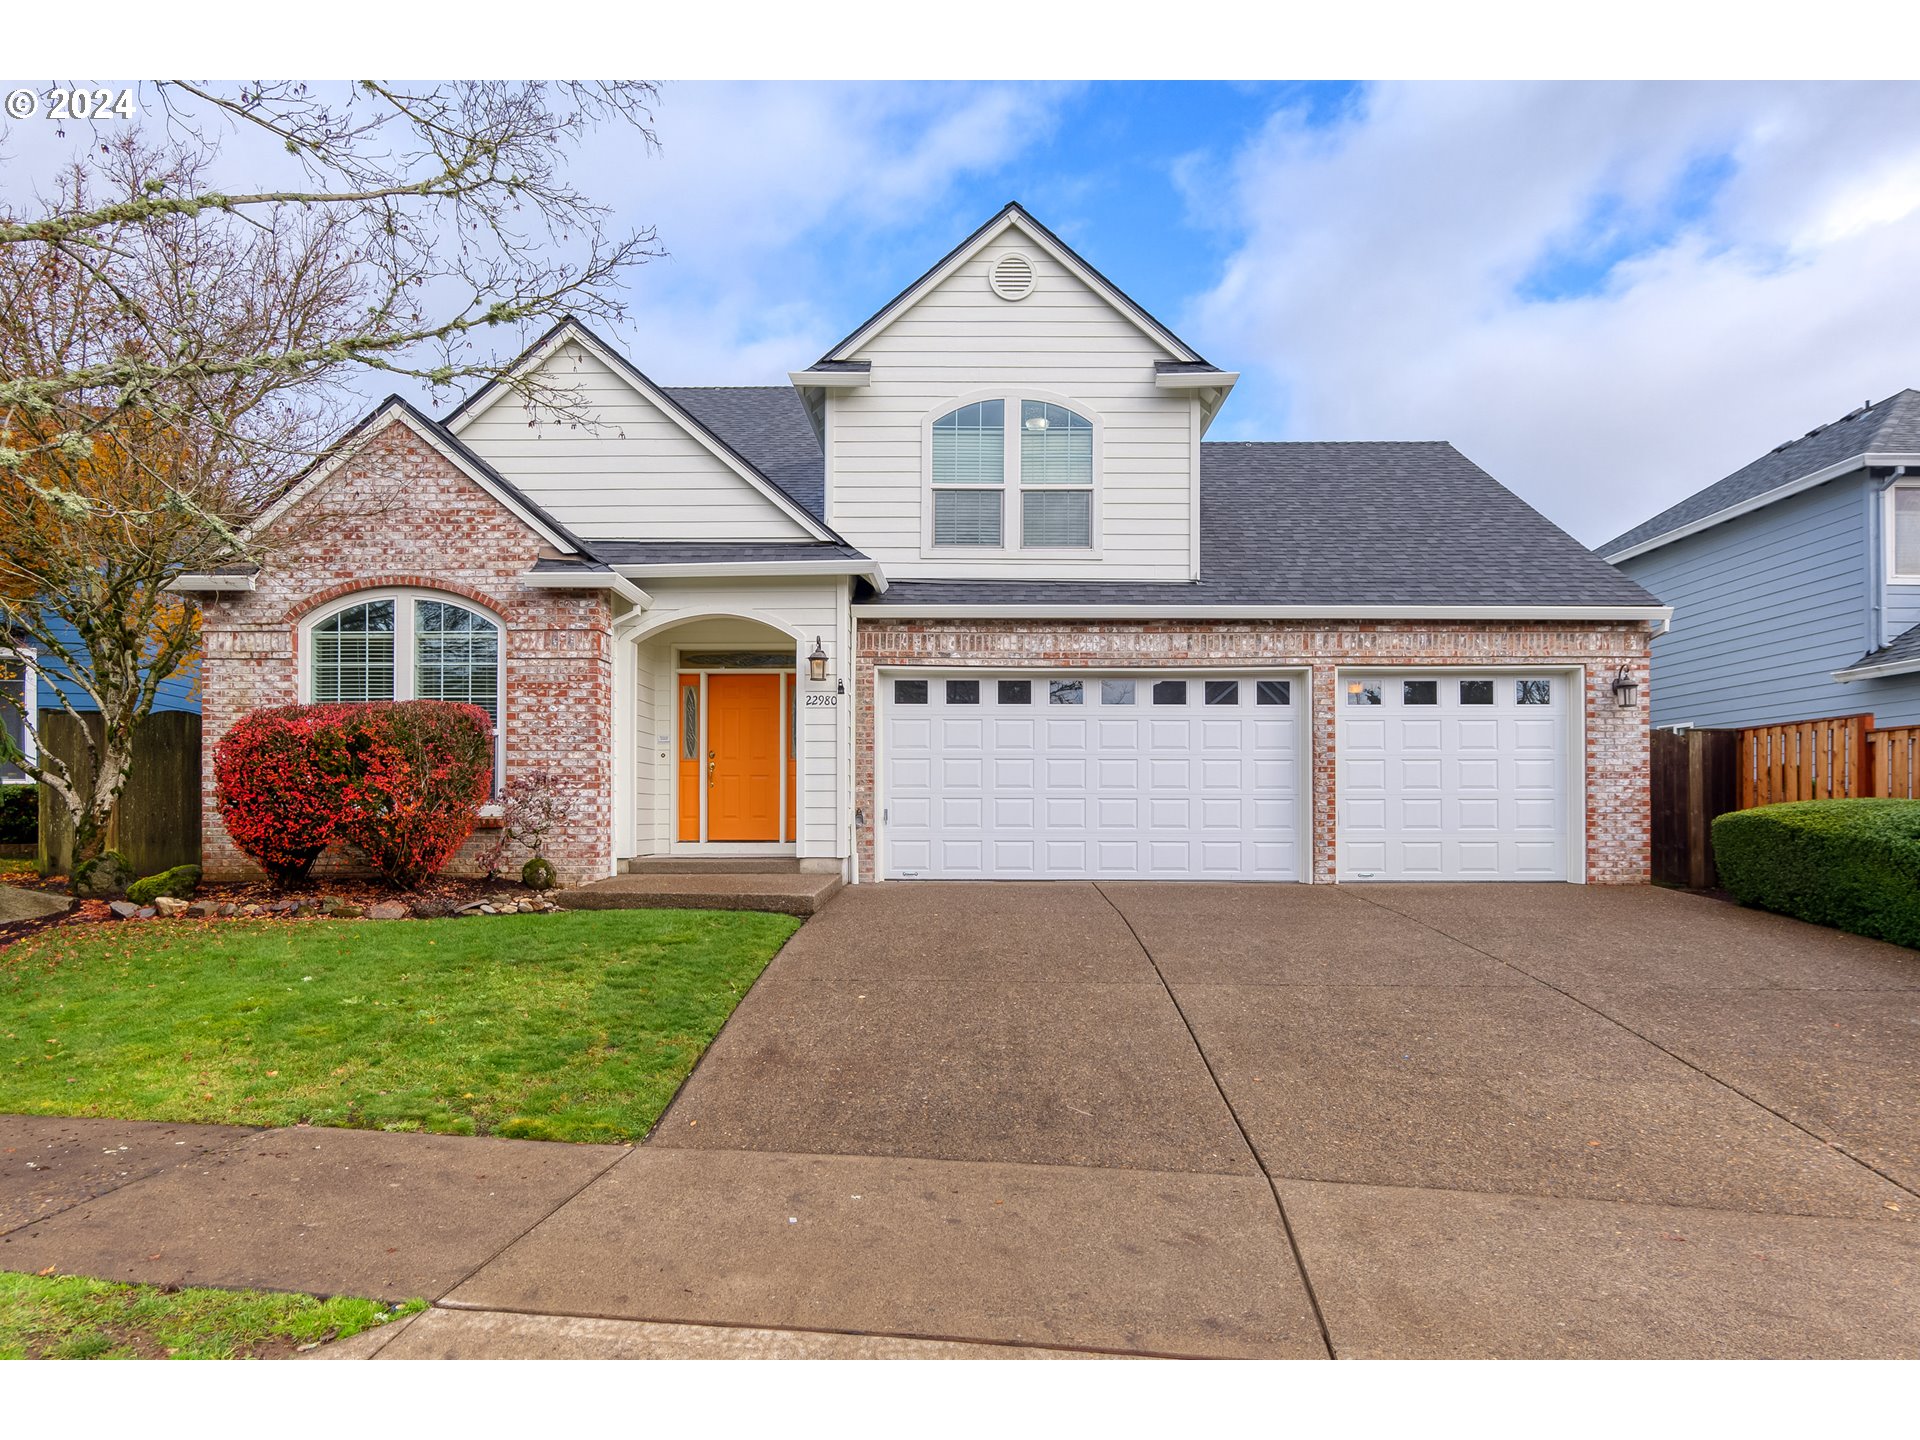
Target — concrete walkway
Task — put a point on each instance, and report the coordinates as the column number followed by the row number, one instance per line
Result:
column 1135, row 1119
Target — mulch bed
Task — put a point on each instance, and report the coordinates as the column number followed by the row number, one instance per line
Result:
column 432, row 899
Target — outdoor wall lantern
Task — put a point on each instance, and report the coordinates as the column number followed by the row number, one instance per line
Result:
column 1626, row 689
column 817, row 661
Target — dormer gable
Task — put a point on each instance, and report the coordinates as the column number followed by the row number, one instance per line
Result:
column 1013, row 411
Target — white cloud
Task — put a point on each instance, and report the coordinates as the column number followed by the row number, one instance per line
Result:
column 1374, row 291
column 770, row 197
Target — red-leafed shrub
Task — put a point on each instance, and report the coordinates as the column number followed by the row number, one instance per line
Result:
column 279, row 775
column 415, row 771
column 399, row 781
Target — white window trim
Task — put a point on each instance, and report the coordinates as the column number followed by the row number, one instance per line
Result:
column 1888, row 524
column 1010, row 489
column 404, row 656
column 29, row 706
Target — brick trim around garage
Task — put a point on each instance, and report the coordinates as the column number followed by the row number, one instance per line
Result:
column 1618, row 849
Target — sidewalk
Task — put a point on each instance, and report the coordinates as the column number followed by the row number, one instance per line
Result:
column 386, row 1216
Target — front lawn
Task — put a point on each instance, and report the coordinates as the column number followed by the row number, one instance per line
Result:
column 578, row 1026
column 66, row 1317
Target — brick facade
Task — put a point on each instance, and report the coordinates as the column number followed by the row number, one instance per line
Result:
column 1617, row 804
column 397, row 513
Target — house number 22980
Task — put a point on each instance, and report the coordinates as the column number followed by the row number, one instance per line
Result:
column 813, row 700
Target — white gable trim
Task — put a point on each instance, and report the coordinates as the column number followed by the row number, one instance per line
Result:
column 573, row 331
column 399, row 414
column 1065, row 258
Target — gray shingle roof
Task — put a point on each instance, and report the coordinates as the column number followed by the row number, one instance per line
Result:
column 1903, row 649
column 767, row 426
column 1297, row 523
column 1892, row 426
column 1366, row 523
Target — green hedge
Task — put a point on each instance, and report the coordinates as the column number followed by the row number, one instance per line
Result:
column 1851, row 864
column 19, row 814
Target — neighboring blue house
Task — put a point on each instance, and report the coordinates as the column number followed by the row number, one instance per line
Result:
column 179, row 691
column 1795, row 581
column 22, row 689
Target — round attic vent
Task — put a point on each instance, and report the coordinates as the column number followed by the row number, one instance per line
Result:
column 1011, row 277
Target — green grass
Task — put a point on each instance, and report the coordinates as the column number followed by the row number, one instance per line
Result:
column 16, row 869
column 66, row 1317
column 578, row 1026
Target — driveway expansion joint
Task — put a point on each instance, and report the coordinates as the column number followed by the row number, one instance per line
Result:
column 1286, row 1225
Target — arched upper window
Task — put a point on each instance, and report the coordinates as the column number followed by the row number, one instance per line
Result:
column 407, row 645
column 984, row 490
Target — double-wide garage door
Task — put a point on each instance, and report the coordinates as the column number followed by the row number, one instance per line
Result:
column 1447, row 775
column 1043, row 777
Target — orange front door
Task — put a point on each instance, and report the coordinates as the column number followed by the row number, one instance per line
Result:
column 744, row 759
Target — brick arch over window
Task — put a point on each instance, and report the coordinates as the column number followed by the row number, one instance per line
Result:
column 306, row 605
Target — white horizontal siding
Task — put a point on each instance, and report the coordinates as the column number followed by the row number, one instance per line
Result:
column 721, row 613
column 1065, row 339
column 631, row 474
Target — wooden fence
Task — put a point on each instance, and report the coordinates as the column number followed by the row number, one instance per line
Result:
column 1896, row 762
column 1695, row 777
column 1809, row 760
column 157, row 823
column 1699, row 774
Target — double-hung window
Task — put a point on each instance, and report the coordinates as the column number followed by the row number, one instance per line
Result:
column 1056, row 477
column 1903, row 521
column 1034, row 494
column 969, row 475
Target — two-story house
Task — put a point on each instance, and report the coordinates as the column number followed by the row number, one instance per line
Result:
column 973, row 597
column 1795, row 581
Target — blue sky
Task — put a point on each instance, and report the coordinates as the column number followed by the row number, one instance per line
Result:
column 1608, row 295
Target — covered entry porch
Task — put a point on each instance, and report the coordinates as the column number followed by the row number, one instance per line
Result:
column 730, row 751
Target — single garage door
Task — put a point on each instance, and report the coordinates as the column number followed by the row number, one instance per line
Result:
column 1050, row 777
column 1454, row 776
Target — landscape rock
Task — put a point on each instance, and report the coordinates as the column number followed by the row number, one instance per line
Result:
column 229, row 909
column 179, row 883
column 207, row 909
column 124, row 910
column 105, row 877
column 387, row 910
column 170, row 907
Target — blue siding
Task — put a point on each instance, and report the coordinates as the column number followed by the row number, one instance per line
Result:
column 1768, row 606
column 177, row 692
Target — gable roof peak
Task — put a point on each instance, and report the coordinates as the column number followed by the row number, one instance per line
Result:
column 1013, row 212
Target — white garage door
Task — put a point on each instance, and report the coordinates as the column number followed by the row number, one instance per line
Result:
column 1454, row 776
column 1044, row 777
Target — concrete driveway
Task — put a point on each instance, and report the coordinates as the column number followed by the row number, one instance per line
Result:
column 1282, row 1121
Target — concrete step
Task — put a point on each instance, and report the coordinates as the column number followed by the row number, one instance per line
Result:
column 790, row 894
column 702, row 865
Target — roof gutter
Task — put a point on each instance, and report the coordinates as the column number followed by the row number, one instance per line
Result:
column 588, row 580
column 1877, row 672
column 1862, row 461
column 696, row 570
column 1148, row 611
column 206, row 583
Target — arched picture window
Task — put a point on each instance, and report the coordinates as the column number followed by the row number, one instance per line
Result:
column 408, row 646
